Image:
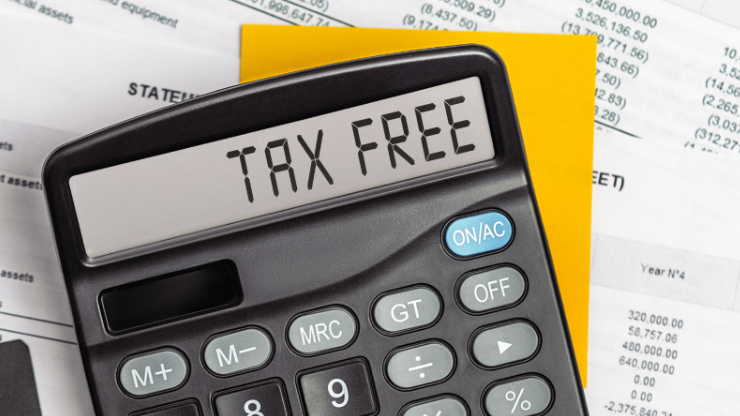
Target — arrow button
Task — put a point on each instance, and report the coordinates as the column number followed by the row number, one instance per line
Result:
column 522, row 343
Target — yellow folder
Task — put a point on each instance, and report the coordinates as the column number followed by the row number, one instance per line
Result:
column 552, row 79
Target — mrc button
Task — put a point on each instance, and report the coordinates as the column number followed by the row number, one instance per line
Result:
column 478, row 234
column 238, row 351
column 505, row 344
column 407, row 309
column 154, row 372
column 316, row 332
column 491, row 289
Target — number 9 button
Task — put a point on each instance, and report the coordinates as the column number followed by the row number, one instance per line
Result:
column 340, row 390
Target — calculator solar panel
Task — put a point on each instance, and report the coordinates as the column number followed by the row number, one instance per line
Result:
column 356, row 239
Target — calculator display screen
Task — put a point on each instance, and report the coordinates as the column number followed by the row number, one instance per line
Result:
column 283, row 167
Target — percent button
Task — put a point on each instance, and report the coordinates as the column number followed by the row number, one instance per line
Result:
column 528, row 396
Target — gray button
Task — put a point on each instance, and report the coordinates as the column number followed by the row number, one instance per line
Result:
column 505, row 344
column 157, row 371
column 443, row 407
column 524, row 397
column 316, row 332
column 421, row 365
column 412, row 308
column 492, row 289
column 238, row 351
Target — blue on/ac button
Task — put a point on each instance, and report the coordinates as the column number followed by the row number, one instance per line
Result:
column 478, row 234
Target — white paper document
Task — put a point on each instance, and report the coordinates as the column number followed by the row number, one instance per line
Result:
column 58, row 83
column 665, row 274
column 666, row 246
column 667, row 72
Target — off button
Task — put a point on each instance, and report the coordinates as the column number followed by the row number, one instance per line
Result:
column 478, row 234
column 491, row 289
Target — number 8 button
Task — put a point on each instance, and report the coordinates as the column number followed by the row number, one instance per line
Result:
column 341, row 390
column 263, row 400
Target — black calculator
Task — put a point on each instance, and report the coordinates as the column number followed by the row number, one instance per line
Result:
column 356, row 239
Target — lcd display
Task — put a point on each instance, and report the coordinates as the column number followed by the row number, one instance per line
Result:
column 276, row 169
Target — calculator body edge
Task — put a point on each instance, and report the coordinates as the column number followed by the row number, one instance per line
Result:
column 321, row 261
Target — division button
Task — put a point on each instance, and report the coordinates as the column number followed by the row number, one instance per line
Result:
column 505, row 344
column 442, row 407
column 491, row 289
column 418, row 366
column 527, row 396
column 343, row 390
column 237, row 351
column 402, row 311
column 478, row 234
column 267, row 399
column 155, row 372
column 321, row 331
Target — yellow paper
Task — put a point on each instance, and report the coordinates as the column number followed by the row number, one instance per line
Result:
column 552, row 79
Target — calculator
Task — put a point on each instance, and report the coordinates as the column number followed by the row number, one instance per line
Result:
column 355, row 239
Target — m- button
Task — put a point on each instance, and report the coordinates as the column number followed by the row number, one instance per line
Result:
column 317, row 332
column 491, row 289
column 237, row 352
column 154, row 372
column 407, row 309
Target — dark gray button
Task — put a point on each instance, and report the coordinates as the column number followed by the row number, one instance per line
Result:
column 238, row 351
column 492, row 289
column 524, row 397
column 442, row 407
column 420, row 365
column 326, row 330
column 405, row 310
column 344, row 390
column 183, row 409
column 266, row 400
column 505, row 344
column 154, row 372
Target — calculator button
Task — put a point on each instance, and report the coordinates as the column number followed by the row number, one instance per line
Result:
column 418, row 366
column 154, row 372
column 238, row 351
column 344, row 390
column 265, row 400
column 491, row 289
column 186, row 409
column 408, row 309
column 478, row 234
column 527, row 396
column 505, row 344
column 442, row 407
column 317, row 332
